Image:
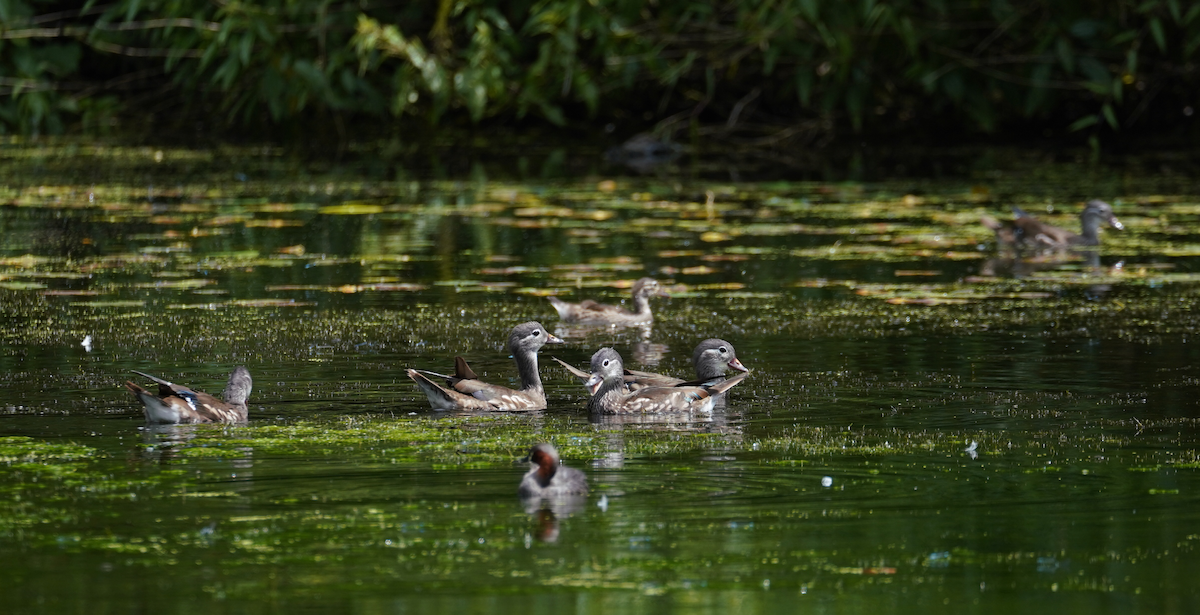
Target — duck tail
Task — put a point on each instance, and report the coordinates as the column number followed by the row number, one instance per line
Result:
column 439, row 398
column 462, row 371
column 562, row 307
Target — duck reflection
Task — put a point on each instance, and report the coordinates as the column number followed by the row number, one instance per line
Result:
column 679, row 420
column 648, row 353
column 547, row 525
column 614, row 451
column 1018, row 265
column 547, row 513
column 636, row 336
column 1015, row 267
column 164, row 444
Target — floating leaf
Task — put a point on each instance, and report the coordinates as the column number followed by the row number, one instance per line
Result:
column 71, row 293
column 107, row 304
column 176, row 284
column 274, row 223
column 14, row 285
column 553, row 212
column 268, row 303
column 395, row 287
column 351, row 209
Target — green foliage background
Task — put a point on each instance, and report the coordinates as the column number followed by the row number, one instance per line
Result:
column 762, row 69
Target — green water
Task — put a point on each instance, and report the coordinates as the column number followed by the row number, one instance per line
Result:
column 928, row 424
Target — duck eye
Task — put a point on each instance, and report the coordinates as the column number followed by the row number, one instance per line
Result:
column 722, row 350
column 537, row 333
column 606, row 362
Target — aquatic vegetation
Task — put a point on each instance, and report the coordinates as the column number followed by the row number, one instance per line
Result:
column 921, row 407
column 28, row 453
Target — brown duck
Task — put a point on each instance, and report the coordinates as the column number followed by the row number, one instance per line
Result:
column 465, row 391
column 178, row 404
column 548, row 478
column 1025, row 231
column 589, row 312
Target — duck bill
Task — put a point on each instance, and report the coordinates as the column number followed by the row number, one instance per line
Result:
column 1115, row 223
column 554, row 339
column 736, row 364
column 593, row 383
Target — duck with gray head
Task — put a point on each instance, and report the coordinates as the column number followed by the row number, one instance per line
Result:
column 178, row 404
column 1025, row 231
column 712, row 359
column 465, row 391
column 610, row 395
column 589, row 312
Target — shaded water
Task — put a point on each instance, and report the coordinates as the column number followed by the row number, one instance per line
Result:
column 994, row 435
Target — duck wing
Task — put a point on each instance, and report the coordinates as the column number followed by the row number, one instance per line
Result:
column 664, row 400
column 166, row 388
column 466, row 382
column 635, row 380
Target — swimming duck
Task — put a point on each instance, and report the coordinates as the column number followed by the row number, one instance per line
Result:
column 464, row 390
column 712, row 359
column 643, row 152
column 548, row 478
column 178, row 404
column 1027, row 231
column 610, row 396
column 589, row 312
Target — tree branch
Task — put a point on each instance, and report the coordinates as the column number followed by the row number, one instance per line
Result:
column 143, row 52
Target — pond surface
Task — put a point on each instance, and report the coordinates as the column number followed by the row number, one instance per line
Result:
column 929, row 423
